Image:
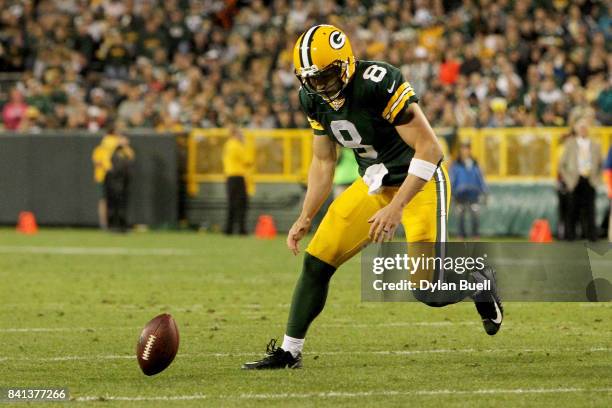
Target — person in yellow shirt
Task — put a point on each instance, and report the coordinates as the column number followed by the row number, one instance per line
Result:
column 237, row 165
column 101, row 158
column 113, row 148
column 116, row 185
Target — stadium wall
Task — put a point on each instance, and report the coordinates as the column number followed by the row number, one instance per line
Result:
column 520, row 166
column 52, row 175
column 510, row 210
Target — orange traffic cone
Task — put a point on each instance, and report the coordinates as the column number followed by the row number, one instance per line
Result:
column 535, row 230
column 27, row 223
column 265, row 228
column 540, row 231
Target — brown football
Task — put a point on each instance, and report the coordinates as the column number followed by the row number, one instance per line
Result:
column 158, row 344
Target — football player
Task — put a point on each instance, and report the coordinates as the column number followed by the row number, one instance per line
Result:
column 369, row 107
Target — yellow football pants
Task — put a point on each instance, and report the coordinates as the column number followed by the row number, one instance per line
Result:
column 344, row 229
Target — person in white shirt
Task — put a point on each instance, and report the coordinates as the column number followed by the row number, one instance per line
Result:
column 580, row 169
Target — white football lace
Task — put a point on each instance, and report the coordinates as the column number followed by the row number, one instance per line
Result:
column 148, row 347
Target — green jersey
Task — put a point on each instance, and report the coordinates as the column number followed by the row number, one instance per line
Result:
column 366, row 121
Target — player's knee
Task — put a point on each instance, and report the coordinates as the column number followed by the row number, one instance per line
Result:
column 316, row 269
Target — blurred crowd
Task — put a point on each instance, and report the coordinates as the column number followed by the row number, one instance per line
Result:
column 179, row 64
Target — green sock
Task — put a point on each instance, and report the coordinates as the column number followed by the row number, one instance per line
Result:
column 309, row 295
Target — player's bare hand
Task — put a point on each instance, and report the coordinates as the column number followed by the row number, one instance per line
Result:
column 385, row 222
column 296, row 233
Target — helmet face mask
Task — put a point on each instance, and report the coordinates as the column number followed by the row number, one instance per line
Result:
column 327, row 83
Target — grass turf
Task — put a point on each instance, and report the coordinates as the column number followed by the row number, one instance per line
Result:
column 73, row 303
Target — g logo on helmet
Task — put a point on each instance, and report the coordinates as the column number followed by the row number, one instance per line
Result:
column 337, row 39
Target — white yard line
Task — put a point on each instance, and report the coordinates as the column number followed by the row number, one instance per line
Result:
column 62, row 329
column 142, row 398
column 596, row 304
column 318, row 353
column 342, row 394
column 70, row 250
column 130, row 306
column 403, row 324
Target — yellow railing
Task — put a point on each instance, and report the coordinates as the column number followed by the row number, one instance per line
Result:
column 283, row 155
column 515, row 154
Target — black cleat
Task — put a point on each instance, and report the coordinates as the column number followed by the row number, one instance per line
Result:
column 488, row 302
column 275, row 358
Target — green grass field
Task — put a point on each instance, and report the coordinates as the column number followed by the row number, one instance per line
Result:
column 73, row 303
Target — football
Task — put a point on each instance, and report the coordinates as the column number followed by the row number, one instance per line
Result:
column 158, row 344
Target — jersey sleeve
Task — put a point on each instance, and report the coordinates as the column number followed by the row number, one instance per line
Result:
column 392, row 92
column 307, row 107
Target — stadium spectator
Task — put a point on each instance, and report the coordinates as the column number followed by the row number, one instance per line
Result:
column 604, row 104
column 534, row 57
column 237, row 164
column 131, row 110
column 31, row 121
column 563, row 194
column 608, row 177
column 14, row 110
column 449, row 69
column 579, row 168
column 468, row 187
